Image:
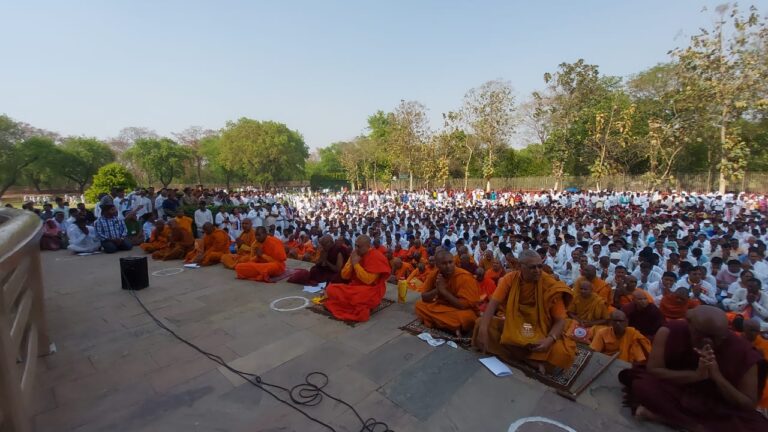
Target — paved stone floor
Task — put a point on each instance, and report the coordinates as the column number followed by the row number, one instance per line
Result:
column 115, row 370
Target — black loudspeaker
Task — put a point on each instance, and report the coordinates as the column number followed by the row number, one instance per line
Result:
column 133, row 273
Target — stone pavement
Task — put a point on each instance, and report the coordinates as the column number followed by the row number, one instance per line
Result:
column 115, row 370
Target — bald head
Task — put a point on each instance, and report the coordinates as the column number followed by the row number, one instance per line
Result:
column 708, row 324
column 618, row 322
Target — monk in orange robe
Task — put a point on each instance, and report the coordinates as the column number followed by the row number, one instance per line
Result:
column 367, row 271
column 588, row 311
column 534, row 318
column 460, row 251
column 495, row 272
column 485, row 284
column 486, row 262
column 158, row 239
column 674, row 305
column 180, row 243
column 185, row 222
column 599, row 286
column 752, row 334
column 305, row 249
column 399, row 252
column 450, row 297
column 625, row 293
column 417, row 278
column 243, row 245
column 417, row 253
column 268, row 258
column 400, row 270
column 631, row 345
column 210, row 248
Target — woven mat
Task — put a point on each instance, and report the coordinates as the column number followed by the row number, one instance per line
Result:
column 320, row 309
column 285, row 275
column 560, row 379
column 416, row 328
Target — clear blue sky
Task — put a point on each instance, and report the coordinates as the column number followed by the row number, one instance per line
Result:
column 94, row 67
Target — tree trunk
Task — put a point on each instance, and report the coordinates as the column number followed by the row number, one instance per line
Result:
column 410, row 180
column 81, row 188
column 466, row 171
column 488, row 184
column 723, row 181
column 199, row 161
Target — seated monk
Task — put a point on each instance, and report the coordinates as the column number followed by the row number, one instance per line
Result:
column 417, row 252
column 631, row 345
column 625, row 292
column 159, row 237
column 305, row 249
column 700, row 377
column 512, row 263
column 752, row 335
column 534, row 318
column 450, row 297
column 417, row 277
column 331, row 260
column 588, row 311
column 184, row 222
column 495, row 272
column 367, row 271
column 268, row 258
column 486, row 262
column 399, row 252
column 485, row 284
column 180, row 243
column 243, row 244
column 400, row 270
column 210, row 248
column 643, row 315
column 460, row 252
column 601, row 287
column 466, row 263
column 674, row 305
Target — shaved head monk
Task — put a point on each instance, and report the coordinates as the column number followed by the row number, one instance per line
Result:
column 631, row 345
column 367, row 271
column 700, row 377
column 243, row 243
column 599, row 286
column 534, row 318
column 267, row 258
column 180, row 243
column 210, row 248
column 450, row 297
column 159, row 237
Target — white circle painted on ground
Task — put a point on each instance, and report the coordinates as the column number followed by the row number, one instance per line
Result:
column 305, row 303
column 168, row 271
column 514, row 426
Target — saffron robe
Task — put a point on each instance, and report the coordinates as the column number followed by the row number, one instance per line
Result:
column 213, row 246
column 367, row 285
column 243, row 254
column 416, row 279
column 586, row 309
column 270, row 263
column 157, row 240
column 632, row 347
column 185, row 222
column 441, row 314
column 599, row 287
column 180, row 243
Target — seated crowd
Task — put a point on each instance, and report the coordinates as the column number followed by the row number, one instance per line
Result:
column 674, row 284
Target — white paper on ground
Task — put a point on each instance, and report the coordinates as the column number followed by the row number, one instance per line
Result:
column 426, row 337
column 496, row 366
column 192, row 265
column 312, row 289
column 452, row 344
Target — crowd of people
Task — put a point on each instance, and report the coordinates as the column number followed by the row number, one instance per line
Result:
column 675, row 284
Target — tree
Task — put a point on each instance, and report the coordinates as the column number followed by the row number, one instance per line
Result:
column 265, row 152
column 81, row 158
column 408, row 136
column 210, row 149
column 109, row 176
column 128, row 136
column 725, row 68
column 163, row 158
column 192, row 138
column 17, row 153
column 488, row 112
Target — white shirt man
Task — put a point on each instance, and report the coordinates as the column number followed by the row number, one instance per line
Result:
column 201, row 217
column 707, row 291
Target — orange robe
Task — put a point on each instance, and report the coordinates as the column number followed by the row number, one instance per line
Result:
column 424, row 255
column 180, row 243
column 494, row 275
column 402, row 254
column 367, row 286
column 416, row 280
column 185, row 222
column 487, row 287
column 599, row 287
column 441, row 314
column 762, row 345
column 270, row 263
column 243, row 252
column 486, row 264
column 674, row 307
column 632, row 347
column 586, row 309
column 629, row 298
column 457, row 260
column 213, row 246
column 535, row 303
column 404, row 271
column 157, row 240
column 305, row 248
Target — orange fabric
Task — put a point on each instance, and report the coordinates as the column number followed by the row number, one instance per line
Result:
column 416, row 279
column 629, row 298
column 402, row 254
column 305, row 248
column 494, row 275
column 599, row 287
column 762, row 345
column 674, row 307
column 383, row 249
column 538, row 304
column 441, row 314
column 457, row 260
column 632, row 347
column 404, row 271
column 180, row 243
column 355, row 300
column 270, row 263
column 157, row 240
column 589, row 309
column 185, row 222
column 423, row 251
column 487, row 287
column 214, row 245
column 247, row 238
column 486, row 264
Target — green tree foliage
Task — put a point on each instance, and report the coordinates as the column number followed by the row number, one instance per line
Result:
column 162, row 159
column 79, row 159
column 18, row 153
column 109, row 176
column 265, row 152
column 218, row 172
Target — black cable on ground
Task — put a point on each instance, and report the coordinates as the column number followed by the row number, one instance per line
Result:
column 308, row 393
